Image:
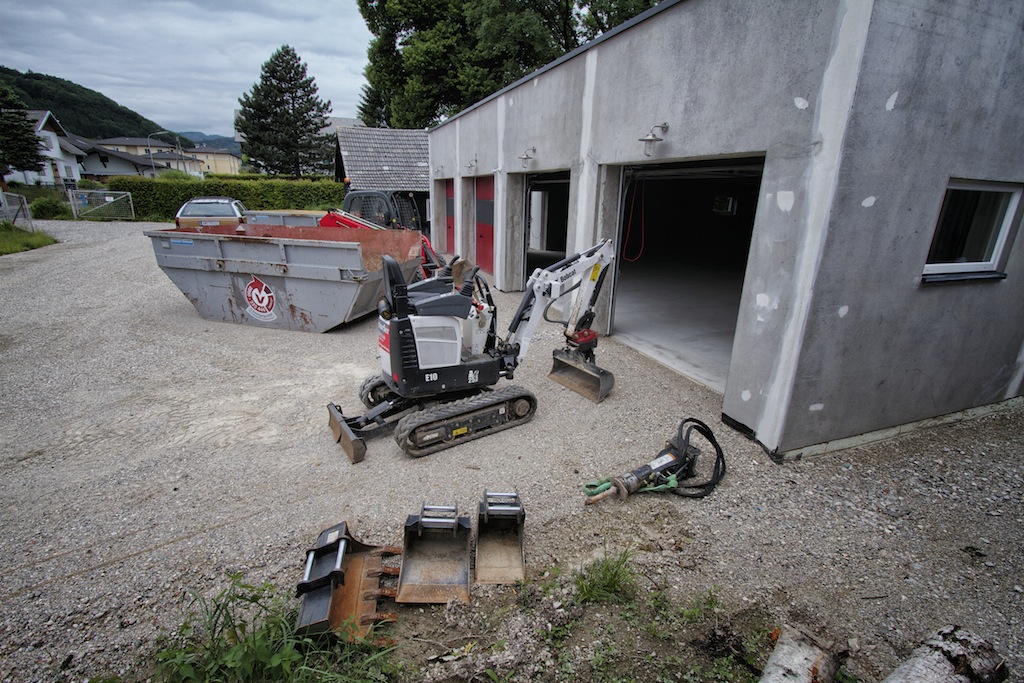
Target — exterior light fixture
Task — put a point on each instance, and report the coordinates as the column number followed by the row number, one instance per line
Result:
column 652, row 138
column 526, row 157
column 471, row 164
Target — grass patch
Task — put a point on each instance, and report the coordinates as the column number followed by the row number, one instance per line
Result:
column 13, row 239
column 247, row 633
column 610, row 579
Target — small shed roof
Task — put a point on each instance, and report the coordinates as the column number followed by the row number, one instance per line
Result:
column 385, row 158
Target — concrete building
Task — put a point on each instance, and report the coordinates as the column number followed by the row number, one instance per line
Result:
column 816, row 202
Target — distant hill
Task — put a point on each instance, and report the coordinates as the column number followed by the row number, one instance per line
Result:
column 215, row 141
column 91, row 114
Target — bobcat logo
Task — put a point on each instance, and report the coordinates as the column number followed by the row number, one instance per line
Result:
column 474, row 376
column 260, row 298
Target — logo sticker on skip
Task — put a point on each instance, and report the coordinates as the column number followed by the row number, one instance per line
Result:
column 260, row 298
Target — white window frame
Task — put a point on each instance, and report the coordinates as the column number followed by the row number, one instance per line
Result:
column 1005, row 230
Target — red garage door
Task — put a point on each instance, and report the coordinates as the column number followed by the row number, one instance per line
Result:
column 485, row 224
column 449, row 216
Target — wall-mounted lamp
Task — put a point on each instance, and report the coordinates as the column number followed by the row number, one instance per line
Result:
column 526, row 157
column 471, row 164
column 651, row 138
column 438, row 170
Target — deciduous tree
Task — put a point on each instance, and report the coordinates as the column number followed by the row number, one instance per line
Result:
column 430, row 59
column 282, row 119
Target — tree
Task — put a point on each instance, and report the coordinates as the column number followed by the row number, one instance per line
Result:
column 282, row 119
column 430, row 59
column 19, row 145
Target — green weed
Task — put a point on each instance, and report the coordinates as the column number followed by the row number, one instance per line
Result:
column 610, row 579
column 247, row 633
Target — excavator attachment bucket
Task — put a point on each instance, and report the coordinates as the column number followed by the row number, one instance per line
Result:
column 499, row 539
column 435, row 560
column 573, row 371
column 341, row 585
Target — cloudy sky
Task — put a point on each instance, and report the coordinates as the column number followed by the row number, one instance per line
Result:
column 184, row 63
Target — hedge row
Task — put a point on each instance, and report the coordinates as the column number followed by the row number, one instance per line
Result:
column 161, row 199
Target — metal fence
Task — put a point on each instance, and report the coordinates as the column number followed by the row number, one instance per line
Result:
column 101, row 205
column 14, row 208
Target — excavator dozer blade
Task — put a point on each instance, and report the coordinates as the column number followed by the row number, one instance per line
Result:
column 342, row 584
column 354, row 446
column 499, row 539
column 435, row 557
column 574, row 372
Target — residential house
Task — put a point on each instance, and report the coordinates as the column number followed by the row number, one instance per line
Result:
column 213, row 160
column 61, row 155
column 386, row 159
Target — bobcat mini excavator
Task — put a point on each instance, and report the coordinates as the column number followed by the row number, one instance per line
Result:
column 440, row 354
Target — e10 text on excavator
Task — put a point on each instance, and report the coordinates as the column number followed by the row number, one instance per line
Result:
column 440, row 354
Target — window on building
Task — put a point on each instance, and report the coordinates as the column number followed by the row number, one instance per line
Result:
column 975, row 225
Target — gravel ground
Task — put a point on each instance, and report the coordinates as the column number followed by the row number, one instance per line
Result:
column 145, row 452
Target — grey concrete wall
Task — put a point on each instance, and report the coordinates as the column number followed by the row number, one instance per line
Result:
column 939, row 96
column 862, row 110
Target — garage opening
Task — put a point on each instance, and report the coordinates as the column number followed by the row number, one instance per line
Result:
column 685, row 236
column 547, row 219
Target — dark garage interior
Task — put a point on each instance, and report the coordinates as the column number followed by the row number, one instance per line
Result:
column 685, row 236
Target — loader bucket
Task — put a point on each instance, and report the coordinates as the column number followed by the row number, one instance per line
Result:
column 499, row 539
column 574, row 372
column 435, row 557
column 341, row 585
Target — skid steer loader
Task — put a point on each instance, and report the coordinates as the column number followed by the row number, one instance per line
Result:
column 440, row 355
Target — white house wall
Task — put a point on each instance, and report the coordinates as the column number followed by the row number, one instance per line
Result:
column 852, row 180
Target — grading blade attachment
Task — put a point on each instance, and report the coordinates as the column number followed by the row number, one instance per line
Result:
column 435, row 561
column 573, row 371
column 499, row 539
column 341, row 585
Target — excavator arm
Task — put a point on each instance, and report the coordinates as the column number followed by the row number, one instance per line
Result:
column 582, row 274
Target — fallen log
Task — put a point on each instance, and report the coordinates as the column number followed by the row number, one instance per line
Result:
column 953, row 655
column 800, row 657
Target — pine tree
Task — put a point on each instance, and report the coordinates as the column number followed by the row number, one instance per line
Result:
column 282, row 119
column 19, row 145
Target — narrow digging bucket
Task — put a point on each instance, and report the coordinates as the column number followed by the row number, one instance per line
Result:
column 499, row 539
column 435, row 557
column 572, row 371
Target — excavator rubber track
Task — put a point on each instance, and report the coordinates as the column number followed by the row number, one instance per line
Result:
column 452, row 423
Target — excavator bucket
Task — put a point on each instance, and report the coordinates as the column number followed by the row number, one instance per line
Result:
column 573, row 371
column 499, row 539
column 341, row 585
column 435, row 561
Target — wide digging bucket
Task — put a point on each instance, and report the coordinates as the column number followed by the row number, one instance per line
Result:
column 499, row 539
column 341, row 585
column 435, row 557
column 574, row 372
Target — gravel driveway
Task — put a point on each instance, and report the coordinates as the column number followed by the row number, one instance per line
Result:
column 146, row 452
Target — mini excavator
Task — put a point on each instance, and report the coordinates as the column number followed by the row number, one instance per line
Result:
column 440, row 354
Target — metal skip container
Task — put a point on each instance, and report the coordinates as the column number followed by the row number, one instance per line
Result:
column 301, row 278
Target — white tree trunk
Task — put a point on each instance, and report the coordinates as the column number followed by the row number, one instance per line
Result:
column 799, row 657
column 952, row 655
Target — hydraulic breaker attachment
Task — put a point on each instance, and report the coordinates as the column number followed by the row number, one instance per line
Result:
column 435, row 560
column 573, row 370
column 499, row 539
column 341, row 585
